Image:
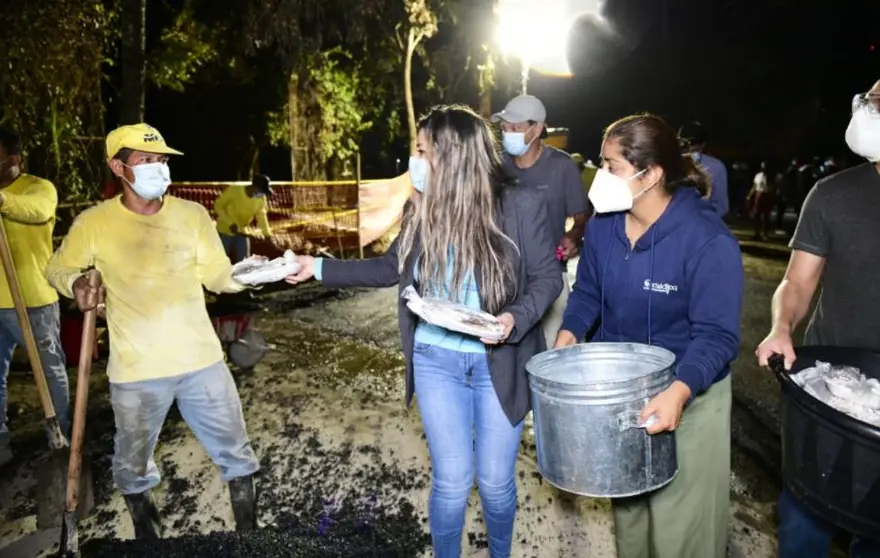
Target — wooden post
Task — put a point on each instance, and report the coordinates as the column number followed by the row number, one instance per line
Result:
column 358, row 183
column 338, row 234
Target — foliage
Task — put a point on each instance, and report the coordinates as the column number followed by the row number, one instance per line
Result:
column 185, row 47
column 337, row 110
column 50, row 82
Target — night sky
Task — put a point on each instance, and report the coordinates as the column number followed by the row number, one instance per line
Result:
column 770, row 79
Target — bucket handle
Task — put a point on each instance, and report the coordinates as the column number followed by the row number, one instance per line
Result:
column 776, row 363
column 633, row 419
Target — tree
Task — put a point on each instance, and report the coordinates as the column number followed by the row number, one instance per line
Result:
column 420, row 24
column 134, row 61
column 50, row 83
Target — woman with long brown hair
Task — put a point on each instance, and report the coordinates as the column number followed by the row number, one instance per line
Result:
column 468, row 236
column 660, row 267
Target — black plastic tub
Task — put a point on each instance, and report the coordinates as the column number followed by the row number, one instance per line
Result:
column 831, row 461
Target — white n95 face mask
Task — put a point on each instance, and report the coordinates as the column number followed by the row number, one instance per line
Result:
column 610, row 193
column 863, row 133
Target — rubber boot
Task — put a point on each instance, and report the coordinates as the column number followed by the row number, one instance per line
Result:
column 144, row 515
column 244, row 503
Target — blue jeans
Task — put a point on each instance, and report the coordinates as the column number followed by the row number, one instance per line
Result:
column 237, row 246
column 46, row 325
column 458, row 402
column 802, row 534
column 208, row 401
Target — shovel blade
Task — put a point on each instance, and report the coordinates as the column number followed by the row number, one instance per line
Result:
column 52, row 490
column 69, row 545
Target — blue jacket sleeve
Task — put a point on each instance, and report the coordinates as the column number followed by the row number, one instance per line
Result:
column 715, row 294
column 584, row 302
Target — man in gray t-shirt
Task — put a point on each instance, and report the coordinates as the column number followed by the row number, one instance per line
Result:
column 836, row 244
column 553, row 173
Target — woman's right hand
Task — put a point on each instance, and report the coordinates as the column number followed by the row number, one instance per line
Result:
column 565, row 339
column 306, row 272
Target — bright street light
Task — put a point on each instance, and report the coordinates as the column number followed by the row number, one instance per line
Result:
column 536, row 32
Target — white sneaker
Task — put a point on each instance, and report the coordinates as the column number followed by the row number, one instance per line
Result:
column 5, row 456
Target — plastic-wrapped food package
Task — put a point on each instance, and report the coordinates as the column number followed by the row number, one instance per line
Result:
column 454, row 317
column 257, row 270
column 844, row 388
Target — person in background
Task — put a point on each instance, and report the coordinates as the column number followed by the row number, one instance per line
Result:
column 786, row 193
column 835, row 244
column 660, row 267
column 588, row 170
column 27, row 207
column 761, row 199
column 693, row 137
column 552, row 173
column 155, row 254
column 236, row 208
column 469, row 236
column 740, row 185
column 807, row 176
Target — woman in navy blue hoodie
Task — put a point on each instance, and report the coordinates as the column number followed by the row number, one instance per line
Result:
column 660, row 267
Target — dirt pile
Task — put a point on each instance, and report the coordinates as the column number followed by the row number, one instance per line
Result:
column 317, row 499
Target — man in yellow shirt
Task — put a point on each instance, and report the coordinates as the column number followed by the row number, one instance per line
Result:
column 155, row 252
column 236, row 208
column 27, row 206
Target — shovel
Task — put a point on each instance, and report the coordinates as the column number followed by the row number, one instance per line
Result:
column 52, row 474
column 69, row 536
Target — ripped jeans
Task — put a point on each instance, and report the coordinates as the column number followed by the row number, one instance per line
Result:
column 46, row 325
column 209, row 403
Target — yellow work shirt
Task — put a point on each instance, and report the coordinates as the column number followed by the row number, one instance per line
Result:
column 28, row 212
column 235, row 207
column 153, row 267
column 587, row 176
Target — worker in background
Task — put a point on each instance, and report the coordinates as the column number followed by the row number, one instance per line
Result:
column 693, row 139
column 551, row 172
column 27, row 206
column 761, row 198
column 236, row 208
column 155, row 253
column 588, row 170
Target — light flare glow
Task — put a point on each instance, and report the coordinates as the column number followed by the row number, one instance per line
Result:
column 536, row 32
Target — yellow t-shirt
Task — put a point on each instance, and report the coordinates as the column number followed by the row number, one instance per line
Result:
column 28, row 212
column 235, row 207
column 587, row 176
column 153, row 267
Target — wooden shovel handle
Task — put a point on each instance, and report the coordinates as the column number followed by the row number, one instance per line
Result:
column 25, row 324
column 84, row 371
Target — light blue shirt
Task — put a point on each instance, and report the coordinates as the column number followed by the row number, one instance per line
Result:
column 435, row 335
column 440, row 337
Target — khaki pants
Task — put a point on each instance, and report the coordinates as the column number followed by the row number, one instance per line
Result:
column 689, row 517
column 552, row 320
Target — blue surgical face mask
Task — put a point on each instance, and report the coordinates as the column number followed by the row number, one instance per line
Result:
column 151, row 180
column 515, row 143
column 418, row 172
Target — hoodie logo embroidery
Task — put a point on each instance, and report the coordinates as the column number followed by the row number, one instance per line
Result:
column 664, row 288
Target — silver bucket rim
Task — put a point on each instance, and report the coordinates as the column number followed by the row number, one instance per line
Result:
column 666, row 359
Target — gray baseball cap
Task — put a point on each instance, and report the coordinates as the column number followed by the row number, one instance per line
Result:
column 522, row 109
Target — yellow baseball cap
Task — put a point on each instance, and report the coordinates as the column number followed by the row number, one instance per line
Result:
column 139, row 137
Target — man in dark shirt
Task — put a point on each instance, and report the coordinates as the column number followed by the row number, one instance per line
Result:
column 553, row 173
column 837, row 242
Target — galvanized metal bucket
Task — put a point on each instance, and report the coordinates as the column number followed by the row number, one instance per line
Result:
column 587, row 400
